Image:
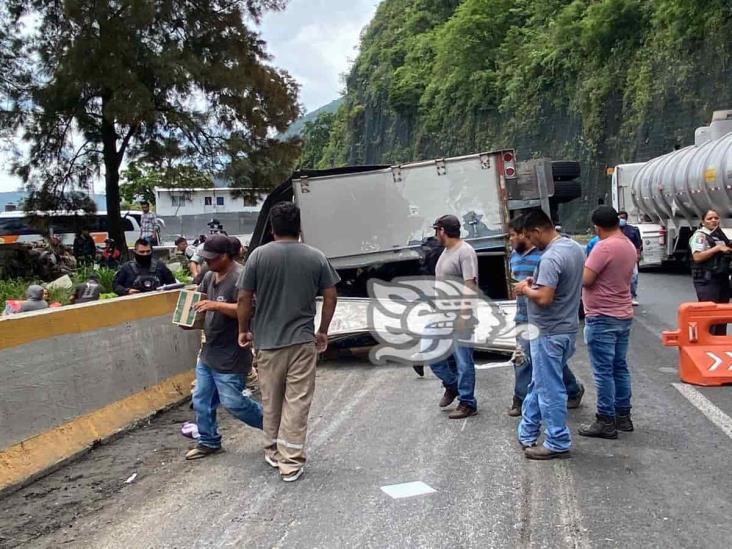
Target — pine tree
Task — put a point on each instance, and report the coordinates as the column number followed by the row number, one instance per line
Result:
column 91, row 84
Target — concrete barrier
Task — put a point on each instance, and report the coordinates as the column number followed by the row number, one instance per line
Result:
column 73, row 376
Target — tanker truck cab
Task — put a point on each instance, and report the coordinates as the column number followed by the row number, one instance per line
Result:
column 652, row 234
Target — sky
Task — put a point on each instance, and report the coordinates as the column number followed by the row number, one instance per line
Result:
column 314, row 40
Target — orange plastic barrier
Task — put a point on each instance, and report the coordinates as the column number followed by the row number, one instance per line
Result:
column 704, row 359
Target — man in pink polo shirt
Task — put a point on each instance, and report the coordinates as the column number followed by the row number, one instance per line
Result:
column 608, row 318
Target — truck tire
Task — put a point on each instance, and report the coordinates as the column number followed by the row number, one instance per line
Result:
column 563, row 170
column 564, row 191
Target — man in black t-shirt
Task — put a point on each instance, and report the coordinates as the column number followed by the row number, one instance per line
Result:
column 222, row 365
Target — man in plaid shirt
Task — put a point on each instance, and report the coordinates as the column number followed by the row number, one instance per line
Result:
column 149, row 224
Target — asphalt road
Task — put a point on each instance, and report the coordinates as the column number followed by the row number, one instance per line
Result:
column 668, row 484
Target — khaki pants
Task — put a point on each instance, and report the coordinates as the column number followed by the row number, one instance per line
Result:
column 287, row 384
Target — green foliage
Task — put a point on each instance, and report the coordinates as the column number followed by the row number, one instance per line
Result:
column 89, row 84
column 601, row 81
column 140, row 180
column 14, row 288
column 315, row 136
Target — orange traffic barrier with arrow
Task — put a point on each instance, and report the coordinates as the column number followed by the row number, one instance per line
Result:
column 704, row 358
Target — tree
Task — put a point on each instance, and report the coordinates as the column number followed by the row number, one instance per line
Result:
column 164, row 81
column 140, row 181
column 315, row 137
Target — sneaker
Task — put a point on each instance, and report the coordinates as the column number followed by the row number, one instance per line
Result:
column 575, row 401
column 603, row 427
column 448, row 398
column 635, row 303
column 462, row 411
column 200, row 452
column 543, row 453
column 515, row 409
column 271, row 461
column 292, row 477
column 624, row 423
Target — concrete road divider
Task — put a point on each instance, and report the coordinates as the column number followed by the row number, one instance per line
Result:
column 74, row 376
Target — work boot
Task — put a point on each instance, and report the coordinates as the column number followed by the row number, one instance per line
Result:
column 448, row 397
column 542, row 453
column 603, row 427
column 515, row 409
column 624, row 423
column 462, row 411
column 574, row 402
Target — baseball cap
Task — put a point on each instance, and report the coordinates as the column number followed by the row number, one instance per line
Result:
column 215, row 245
column 447, row 222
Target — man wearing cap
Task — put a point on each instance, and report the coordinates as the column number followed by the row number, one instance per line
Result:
column 457, row 373
column 222, row 365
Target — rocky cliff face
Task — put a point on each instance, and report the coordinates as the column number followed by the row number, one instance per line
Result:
column 599, row 81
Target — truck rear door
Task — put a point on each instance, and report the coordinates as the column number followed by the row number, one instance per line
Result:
column 380, row 216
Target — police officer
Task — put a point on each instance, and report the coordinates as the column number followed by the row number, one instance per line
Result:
column 142, row 274
column 710, row 264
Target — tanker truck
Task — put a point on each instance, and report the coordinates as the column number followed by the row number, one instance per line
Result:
column 667, row 196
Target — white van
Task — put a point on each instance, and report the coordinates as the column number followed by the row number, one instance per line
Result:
column 17, row 227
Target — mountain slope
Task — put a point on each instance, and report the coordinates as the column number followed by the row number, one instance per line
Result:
column 599, row 81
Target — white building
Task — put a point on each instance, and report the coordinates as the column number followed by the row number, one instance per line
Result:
column 216, row 200
column 186, row 212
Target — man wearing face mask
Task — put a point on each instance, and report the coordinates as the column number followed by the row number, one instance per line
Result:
column 633, row 234
column 143, row 274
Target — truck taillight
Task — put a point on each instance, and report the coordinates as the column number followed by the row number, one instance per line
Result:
column 662, row 236
column 509, row 164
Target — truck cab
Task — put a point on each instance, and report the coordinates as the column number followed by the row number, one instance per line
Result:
column 653, row 235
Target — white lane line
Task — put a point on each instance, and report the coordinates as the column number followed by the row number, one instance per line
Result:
column 490, row 365
column 407, row 489
column 706, row 407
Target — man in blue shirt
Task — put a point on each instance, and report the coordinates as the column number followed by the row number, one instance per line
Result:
column 524, row 259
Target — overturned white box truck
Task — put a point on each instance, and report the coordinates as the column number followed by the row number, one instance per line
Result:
column 373, row 221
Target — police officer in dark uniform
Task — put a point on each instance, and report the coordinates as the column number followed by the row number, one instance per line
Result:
column 142, row 274
column 710, row 268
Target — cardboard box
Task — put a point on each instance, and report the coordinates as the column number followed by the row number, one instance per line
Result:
column 185, row 315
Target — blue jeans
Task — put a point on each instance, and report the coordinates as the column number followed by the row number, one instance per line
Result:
column 547, row 398
column 457, row 374
column 523, row 374
column 607, row 343
column 214, row 388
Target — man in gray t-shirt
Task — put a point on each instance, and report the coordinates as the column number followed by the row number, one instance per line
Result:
column 222, row 365
column 553, row 305
column 284, row 277
column 458, row 262
column 560, row 267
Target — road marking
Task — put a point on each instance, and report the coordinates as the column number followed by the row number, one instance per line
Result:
column 706, row 407
column 407, row 489
column 490, row 365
